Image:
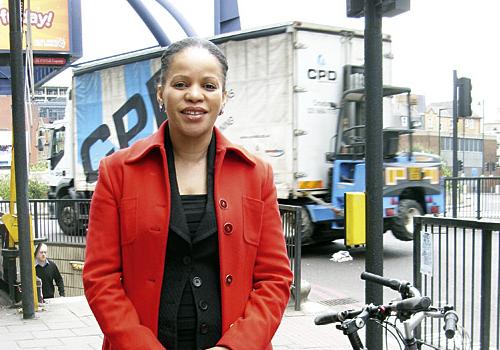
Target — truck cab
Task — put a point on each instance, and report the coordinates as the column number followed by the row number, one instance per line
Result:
column 412, row 180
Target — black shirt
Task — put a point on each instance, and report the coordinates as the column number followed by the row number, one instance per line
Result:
column 50, row 274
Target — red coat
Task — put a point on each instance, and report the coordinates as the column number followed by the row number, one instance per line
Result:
column 127, row 237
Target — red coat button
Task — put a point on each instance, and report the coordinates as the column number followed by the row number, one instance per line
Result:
column 228, row 228
column 223, row 204
column 229, row 279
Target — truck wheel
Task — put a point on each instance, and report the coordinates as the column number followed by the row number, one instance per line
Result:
column 67, row 217
column 402, row 227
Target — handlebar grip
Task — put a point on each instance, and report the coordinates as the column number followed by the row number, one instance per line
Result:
column 414, row 304
column 326, row 318
column 388, row 282
column 450, row 323
column 333, row 317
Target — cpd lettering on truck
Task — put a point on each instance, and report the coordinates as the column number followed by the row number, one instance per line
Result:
column 322, row 74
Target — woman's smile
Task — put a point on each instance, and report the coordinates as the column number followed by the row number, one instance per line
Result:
column 194, row 113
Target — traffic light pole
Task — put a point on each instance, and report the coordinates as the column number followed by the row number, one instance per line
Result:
column 374, row 163
column 455, row 145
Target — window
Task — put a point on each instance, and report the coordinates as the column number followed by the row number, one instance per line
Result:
column 52, row 91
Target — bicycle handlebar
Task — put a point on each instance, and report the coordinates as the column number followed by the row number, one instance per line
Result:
column 414, row 304
column 334, row 317
column 450, row 324
column 392, row 283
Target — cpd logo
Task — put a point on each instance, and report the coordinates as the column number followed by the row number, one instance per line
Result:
column 321, row 73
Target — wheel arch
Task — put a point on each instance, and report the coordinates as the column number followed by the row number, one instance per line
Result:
column 415, row 193
column 63, row 188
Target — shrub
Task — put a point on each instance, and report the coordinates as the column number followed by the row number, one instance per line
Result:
column 40, row 166
column 36, row 189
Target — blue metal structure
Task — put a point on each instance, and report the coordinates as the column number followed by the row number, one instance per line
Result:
column 226, row 16
column 152, row 24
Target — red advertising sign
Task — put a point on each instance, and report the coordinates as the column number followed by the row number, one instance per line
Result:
column 49, row 61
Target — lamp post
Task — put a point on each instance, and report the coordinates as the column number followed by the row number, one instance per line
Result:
column 439, row 128
column 482, row 131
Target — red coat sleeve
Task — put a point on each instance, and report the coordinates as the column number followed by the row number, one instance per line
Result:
column 113, row 310
column 272, row 277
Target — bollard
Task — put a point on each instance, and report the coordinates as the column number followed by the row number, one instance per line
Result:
column 39, row 290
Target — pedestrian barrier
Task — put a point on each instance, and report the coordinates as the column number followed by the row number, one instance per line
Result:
column 456, row 261
column 291, row 221
column 477, row 197
column 58, row 220
column 64, row 222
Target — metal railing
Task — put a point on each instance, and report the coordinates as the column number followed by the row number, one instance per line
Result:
column 291, row 220
column 477, row 197
column 456, row 261
column 68, row 226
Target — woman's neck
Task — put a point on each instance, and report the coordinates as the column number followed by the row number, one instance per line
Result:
column 190, row 150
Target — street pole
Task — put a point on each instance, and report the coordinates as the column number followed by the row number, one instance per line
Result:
column 463, row 146
column 439, row 129
column 455, row 146
column 20, row 160
column 374, row 161
column 482, row 153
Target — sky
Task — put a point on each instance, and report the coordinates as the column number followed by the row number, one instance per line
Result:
column 430, row 41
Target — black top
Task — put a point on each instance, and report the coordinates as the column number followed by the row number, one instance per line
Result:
column 194, row 209
column 190, row 313
column 50, row 274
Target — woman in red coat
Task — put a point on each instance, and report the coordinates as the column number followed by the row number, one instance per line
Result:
column 185, row 248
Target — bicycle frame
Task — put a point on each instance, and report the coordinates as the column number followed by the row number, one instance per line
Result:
column 415, row 321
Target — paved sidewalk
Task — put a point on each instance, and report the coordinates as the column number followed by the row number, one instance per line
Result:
column 68, row 323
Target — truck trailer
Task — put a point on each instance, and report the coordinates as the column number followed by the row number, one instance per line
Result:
column 296, row 100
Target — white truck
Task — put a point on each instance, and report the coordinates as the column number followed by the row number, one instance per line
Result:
column 286, row 85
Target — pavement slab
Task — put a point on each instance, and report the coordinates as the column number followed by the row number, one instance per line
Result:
column 68, row 323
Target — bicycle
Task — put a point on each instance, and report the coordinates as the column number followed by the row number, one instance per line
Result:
column 411, row 310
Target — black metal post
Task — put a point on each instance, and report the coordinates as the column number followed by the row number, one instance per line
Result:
column 482, row 151
column 20, row 160
column 484, row 330
column 35, row 218
column 298, row 258
column 439, row 132
column 374, row 161
column 439, row 128
column 455, row 146
column 478, row 198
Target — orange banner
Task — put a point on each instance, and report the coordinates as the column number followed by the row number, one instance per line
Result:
column 49, row 25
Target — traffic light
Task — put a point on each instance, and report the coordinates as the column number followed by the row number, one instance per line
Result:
column 460, row 165
column 390, row 8
column 464, row 97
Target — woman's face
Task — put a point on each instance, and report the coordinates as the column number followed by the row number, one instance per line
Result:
column 193, row 93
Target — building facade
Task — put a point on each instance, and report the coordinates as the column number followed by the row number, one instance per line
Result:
column 477, row 149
